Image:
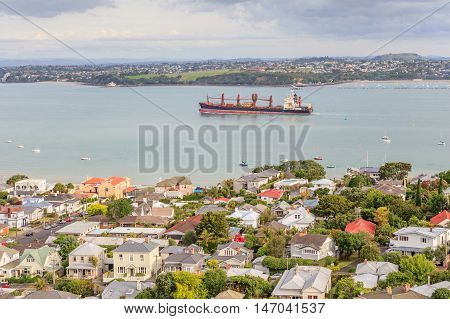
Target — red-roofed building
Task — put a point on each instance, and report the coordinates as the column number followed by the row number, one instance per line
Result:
column 178, row 230
column 239, row 238
column 361, row 226
column 110, row 187
column 441, row 219
column 271, row 195
column 221, row 200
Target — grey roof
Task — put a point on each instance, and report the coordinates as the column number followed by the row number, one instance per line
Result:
column 299, row 278
column 87, row 249
column 172, row 250
column 134, row 247
column 51, row 294
column 422, row 231
column 427, row 290
column 378, row 268
column 309, row 240
column 78, row 227
column 184, row 258
column 127, row 289
column 234, row 245
column 210, row 208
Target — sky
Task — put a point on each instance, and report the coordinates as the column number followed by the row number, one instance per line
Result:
column 221, row 29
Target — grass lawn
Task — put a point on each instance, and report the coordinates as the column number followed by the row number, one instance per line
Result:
column 185, row 76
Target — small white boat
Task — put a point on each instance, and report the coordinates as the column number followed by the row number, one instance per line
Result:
column 386, row 139
column 8, row 141
column 85, row 158
column 441, row 143
column 36, row 150
column 331, row 166
column 20, row 146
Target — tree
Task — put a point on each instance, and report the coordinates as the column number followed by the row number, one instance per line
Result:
column 436, row 203
column 82, row 287
column 164, row 288
column 97, row 209
column 212, row 264
column 308, row 169
column 441, row 293
column 215, row 281
column 370, row 251
column 382, row 216
column 441, row 185
column 3, row 195
column 347, row 288
column 276, row 245
column 396, row 279
column 66, row 245
column 40, row 283
column 395, row 170
column 331, row 205
column 16, row 178
column 321, row 192
column 252, row 287
column 349, row 243
column 59, row 188
column 189, row 286
column 119, row 208
column 418, row 194
column 383, row 234
column 393, row 257
column 360, row 181
column 418, row 267
column 212, row 229
column 437, row 255
column 189, row 238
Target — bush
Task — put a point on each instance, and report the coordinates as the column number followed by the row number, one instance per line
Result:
column 252, row 287
column 441, row 293
column 24, row 279
column 82, row 287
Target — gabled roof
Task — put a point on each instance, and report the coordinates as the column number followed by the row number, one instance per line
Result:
column 361, row 225
column 299, row 278
column 245, row 215
column 441, row 217
column 427, row 290
column 272, row 193
column 309, row 240
column 87, row 249
column 52, row 294
column 7, row 250
column 134, row 247
column 93, row 181
column 186, row 225
column 115, row 180
column 185, row 258
column 39, row 255
column 422, row 231
column 375, row 268
column 174, row 181
column 230, row 294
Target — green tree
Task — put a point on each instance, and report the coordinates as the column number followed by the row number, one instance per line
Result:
column 349, row 243
column 396, row 279
column 436, row 203
column 347, row 288
column 252, row 287
column 441, row 185
column 97, row 209
column 212, row 230
column 82, row 287
column 393, row 257
column 331, row 205
column 3, row 195
column 119, row 208
column 215, row 281
column 189, row 238
column 360, row 181
column 276, row 245
column 419, row 194
column 370, row 251
column 66, row 245
column 189, row 286
column 418, row 267
column 308, row 169
column 395, row 170
column 59, row 188
column 16, row 178
column 441, row 293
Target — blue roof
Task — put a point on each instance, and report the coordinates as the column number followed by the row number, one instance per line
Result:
column 310, row 203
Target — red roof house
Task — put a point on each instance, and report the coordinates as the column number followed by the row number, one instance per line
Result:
column 441, row 219
column 361, row 226
column 271, row 194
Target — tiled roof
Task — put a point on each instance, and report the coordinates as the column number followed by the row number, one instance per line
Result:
column 439, row 218
column 186, row 225
column 115, row 180
column 94, row 181
column 310, row 240
column 272, row 193
column 361, row 225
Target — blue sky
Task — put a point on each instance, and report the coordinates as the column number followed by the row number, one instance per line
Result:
column 198, row 29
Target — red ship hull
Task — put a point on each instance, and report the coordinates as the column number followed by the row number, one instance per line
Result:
column 227, row 109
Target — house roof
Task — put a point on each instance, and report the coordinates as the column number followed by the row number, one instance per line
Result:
column 441, row 217
column 134, row 247
column 78, row 227
column 389, row 189
column 309, row 240
column 246, row 272
column 375, row 268
column 422, row 231
column 272, row 193
column 186, row 225
column 427, row 290
column 119, row 289
column 39, row 255
column 299, row 278
column 361, row 225
column 162, row 211
column 93, row 181
column 397, row 293
column 185, row 258
column 230, row 294
column 87, row 249
column 115, row 180
column 51, row 294
column 174, row 181
column 6, row 250
column 210, row 208
column 245, row 215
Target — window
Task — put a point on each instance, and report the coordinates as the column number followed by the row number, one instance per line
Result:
column 424, row 240
column 131, row 258
column 74, row 258
column 82, row 258
column 312, row 297
column 143, row 270
column 142, row 257
column 120, row 257
column 297, row 216
column 310, row 251
column 403, row 238
column 121, row 270
column 30, row 259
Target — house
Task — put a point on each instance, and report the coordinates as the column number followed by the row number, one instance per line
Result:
column 8, row 256
column 404, row 292
column 232, row 254
column 33, row 213
column 229, row 294
column 37, row 262
column 372, row 172
column 51, row 294
column 252, row 182
column 4, row 230
column 13, row 216
column 310, row 203
column 133, row 221
column 136, row 261
column 178, row 230
column 257, row 264
column 298, row 218
column 181, row 184
column 35, row 185
column 361, row 226
column 247, row 217
column 303, row 282
column 412, row 240
column 86, row 262
column 137, row 231
column 271, row 195
column 233, row 271
column 290, row 184
column 37, row 202
column 221, row 200
column 441, row 219
column 312, row 246
column 323, row 183
column 370, row 272
column 6, row 188
column 190, row 259
column 113, row 186
column 210, row 208
column 124, row 289
column 64, row 203
column 78, row 228
column 427, row 289
column 389, row 188
column 281, row 209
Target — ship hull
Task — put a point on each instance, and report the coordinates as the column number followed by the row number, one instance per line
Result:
column 215, row 109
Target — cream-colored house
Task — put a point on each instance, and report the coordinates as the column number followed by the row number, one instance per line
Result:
column 38, row 262
column 181, row 184
column 86, row 262
column 106, row 187
column 136, row 261
column 9, row 258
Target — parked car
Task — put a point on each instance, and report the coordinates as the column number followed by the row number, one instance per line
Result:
column 30, row 233
column 5, row 284
column 47, row 227
column 9, row 241
column 69, row 219
column 62, row 221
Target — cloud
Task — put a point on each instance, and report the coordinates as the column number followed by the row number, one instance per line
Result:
column 331, row 18
column 51, row 8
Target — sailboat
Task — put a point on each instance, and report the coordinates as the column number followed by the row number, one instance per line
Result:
column 243, row 164
column 441, row 143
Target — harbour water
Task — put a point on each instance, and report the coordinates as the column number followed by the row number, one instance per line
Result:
column 66, row 121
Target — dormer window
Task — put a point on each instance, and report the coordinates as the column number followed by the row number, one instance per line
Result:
column 30, row 259
column 403, row 238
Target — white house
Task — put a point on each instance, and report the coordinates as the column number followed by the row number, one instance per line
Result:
column 369, row 272
column 86, row 261
column 312, row 246
column 303, row 282
column 37, row 185
column 9, row 258
column 247, row 217
column 324, row 183
column 411, row 240
column 298, row 218
column 290, row 184
column 246, row 272
column 13, row 216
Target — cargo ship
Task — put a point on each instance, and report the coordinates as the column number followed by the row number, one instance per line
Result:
column 292, row 105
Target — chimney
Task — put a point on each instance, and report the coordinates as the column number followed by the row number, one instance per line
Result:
column 429, row 280
column 389, row 291
column 406, row 287
column 138, row 285
column 365, row 261
column 192, row 251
